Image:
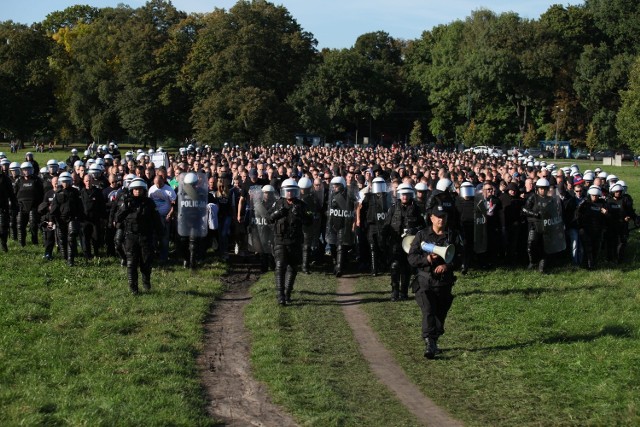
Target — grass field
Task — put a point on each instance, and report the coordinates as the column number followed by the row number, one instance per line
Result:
column 520, row 348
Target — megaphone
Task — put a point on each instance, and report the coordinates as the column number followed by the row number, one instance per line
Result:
column 446, row 252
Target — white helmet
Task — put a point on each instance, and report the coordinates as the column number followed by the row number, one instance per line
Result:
column 191, row 178
column 338, row 180
column 138, row 183
column 290, row 189
column 594, row 190
column 603, row 175
column 65, row 177
column 78, row 163
column 422, row 186
column 574, row 169
column 74, row 152
column 27, row 166
column 616, row 187
column 467, row 189
column 96, row 169
column 623, row 185
column 151, row 151
column 542, row 182
column 127, row 180
column 378, row 185
column 269, row 189
column 100, row 161
column 5, row 161
column 107, row 157
column 52, row 162
column 15, row 166
column 87, row 153
column 589, row 176
column 612, row 177
column 128, row 155
column 444, row 184
column 62, row 166
column 43, row 170
column 405, row 188
column 304, row 183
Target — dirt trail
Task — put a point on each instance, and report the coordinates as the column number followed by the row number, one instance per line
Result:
column 235, row 397
column 384, row 365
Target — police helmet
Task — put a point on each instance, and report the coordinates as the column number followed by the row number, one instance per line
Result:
column 2, row 155
column 128, row 155
column 87, row 153
column 51, row 163
column 268, row 189
column 611, row 179
column 139, row 151
column 127, row 180
column 290, row 189
column 108, row 157
column 160, row 150
column 74, row 152
column 594, row 190
column 422, row 186
column 589, row 176
column 542, row 182
column 405, row 188
column 151, row 151
column 467, row 189
column 95, row 169
column 603, row 175
column 378, row 185
column 304, row 183
column 444, row 184
column 100, row 161
column 190, row 178
column 43, row 170
column 623, row 185
column 65, row 177
column 62, row 166
column 14, row 166
column 338, row 180
column 4, row 161
column 29, row 155
column 27, row 166
column 138, row 183
column 616, row 187
column 140, row 157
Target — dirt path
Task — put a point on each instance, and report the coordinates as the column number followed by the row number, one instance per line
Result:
column 384, row 365
column 235, row 398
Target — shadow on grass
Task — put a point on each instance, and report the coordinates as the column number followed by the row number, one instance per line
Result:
column 530, row 291
column 344, row 294
column 616, row 331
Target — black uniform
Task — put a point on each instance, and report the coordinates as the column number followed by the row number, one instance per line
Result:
column 401, row 219
column 68, row 212
column 30, row 193
column 288, row 218
column 7, row 200
column 375, row 207
column 533, row 209
column 465, row 208
column 95, row 209
column 433, row 291
column 591, row 221
column 140, row 220
column 515, row 227
column 48, row 233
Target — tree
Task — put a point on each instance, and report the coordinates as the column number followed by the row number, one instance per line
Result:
column 243, row 66
column 591, row 141
column 530, row 139
column 415, row 138
column 627, row 122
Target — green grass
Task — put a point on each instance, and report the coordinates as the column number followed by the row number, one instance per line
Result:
column 77, row 349
column 307, row 356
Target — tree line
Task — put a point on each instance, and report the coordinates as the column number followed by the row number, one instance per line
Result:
column 252, row 74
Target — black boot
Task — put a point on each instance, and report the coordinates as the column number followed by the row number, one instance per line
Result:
column 404, row 286
column 339, row 259
column 290, row 278
column 279, row 275
column 395, row 295
column 374, row 261
column 305, row 259
column 132, row 275
column 23, row 238
column 541, row 266
column 431, row 348
column 3, row 241
column 146, row 281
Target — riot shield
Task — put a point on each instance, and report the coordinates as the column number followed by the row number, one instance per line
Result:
column 259, row 231
column 553, row 227
column 340, row 217
column 377, row 205
column 313, row 200
column 480, row 229
column 192, row 205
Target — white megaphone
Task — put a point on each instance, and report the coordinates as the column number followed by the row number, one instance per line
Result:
column 446, row 252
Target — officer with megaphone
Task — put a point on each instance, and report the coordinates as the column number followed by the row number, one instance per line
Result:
column 435, row 252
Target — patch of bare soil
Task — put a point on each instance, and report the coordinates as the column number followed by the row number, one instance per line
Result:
column 235, row 397
column 382, row 362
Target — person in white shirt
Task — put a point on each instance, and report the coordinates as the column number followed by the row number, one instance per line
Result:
column 165, row 198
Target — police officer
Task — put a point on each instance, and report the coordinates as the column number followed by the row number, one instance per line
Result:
column 73, row 158
column 288, row 215
column 7, row 200
column 141, row 220
column 48, row 230
column 619, row 218
column 67, row 212
column 465, row 207
column 375, row 206
column 52, row 170
column 95, row 209
column 311, row 232
column 533, row 209
column 404, row 218
column 591, row 216
column 340, row 233
column 435, row 278
column 30, row 193
column 118, row 199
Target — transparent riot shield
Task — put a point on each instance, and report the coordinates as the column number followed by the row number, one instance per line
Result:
column 480, row 230
column 259, row 231
column 553, row 227
column 192, row 205
column 340, row 216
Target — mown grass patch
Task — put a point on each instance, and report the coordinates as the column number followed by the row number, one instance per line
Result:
column 307, row 356
column 78, row 349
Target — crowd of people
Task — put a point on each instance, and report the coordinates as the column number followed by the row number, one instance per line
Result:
column 303, row 208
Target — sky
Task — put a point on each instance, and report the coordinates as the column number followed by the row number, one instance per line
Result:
column 334, row 23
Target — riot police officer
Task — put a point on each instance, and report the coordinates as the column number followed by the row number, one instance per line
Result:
column 435, row 278
column 404, row 218
column 7, row 200
column 314, row 201
column 465, row 207
column 118, row 199
column 192, row 215
column 141, row 220
column 67, row 211
column 288, row 215
column 30, row 193
column 375, row 206
column 619, row 218
column 591, row 216
column 340, row 222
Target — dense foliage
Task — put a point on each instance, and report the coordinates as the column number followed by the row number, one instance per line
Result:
column 251, row 74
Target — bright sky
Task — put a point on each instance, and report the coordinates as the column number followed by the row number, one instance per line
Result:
column 334, row 23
